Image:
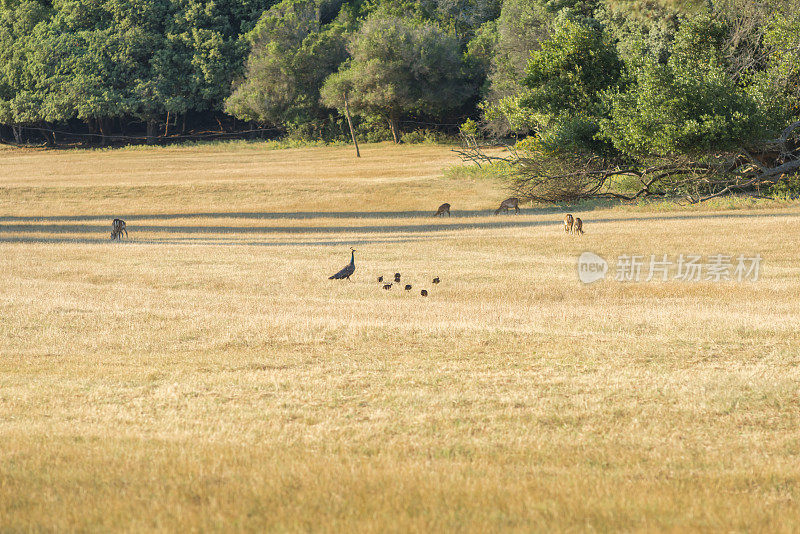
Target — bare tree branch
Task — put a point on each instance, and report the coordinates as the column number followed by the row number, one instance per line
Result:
column 571, row 177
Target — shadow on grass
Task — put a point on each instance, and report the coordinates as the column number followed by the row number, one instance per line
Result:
column 581, row 207
column 82, row 232
column 254, row 230
column 256, row 215
column 198, row 242
column 437, row 224
column 293, row 215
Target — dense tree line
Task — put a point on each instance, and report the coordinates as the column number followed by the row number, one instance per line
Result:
column 623, row 82
column 695, row 105
column 105, row 62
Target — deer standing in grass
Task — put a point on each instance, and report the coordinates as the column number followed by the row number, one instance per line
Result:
column 577, row 226
column 444, row 208
column 117, row 228
column 569, row 220
column 508, row 203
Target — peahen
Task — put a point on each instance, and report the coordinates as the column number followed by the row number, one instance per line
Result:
column 348, row 271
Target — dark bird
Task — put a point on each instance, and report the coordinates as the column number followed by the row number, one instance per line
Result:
column 408, row 287
column 380, row 279
column 348, row 271
column 387, row 286
column 436, row 280
column 424, row 293
column 396, row 277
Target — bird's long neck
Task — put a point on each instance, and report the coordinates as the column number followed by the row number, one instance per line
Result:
column 352, row 257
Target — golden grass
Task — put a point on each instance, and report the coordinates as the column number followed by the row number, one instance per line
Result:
column 206, row 375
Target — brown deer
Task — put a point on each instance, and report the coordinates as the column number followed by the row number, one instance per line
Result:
column 568, row 222
column 577, row 226
column 512, row 202
column 444, row 208
column 117, row 228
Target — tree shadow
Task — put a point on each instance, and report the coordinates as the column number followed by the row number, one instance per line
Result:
column 310, row 215
column 436, row 226
column 257, row 215
column 196, row 242
column 251, row 230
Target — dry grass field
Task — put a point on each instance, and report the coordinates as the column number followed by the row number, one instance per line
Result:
column 205, row 375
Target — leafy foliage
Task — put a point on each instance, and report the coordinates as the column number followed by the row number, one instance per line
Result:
column 518, row 31
column 688, row 105
column 290, row 58
column 571, row 70
column 397, row 67
column 101, row 59
column 625, row 80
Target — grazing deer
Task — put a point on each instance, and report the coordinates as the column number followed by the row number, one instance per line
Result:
column 512, row 202
column 568, row 222
column 117, row 228
column 577, row 226
column 444, row 208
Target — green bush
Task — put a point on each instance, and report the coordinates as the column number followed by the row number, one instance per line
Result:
column 788, row 187
column 572, row 133
column 373, row 129
column 565, row 81
column 430, row 137
column 398, row 66
column 571, row 70
column 690, row 104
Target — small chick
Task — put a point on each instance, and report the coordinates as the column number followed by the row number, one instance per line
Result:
column 408, row 287
column 424, row 293
column 436, row 280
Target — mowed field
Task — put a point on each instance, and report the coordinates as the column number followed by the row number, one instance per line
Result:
column 205, row 374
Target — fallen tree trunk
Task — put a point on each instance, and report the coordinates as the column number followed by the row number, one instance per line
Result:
column 568, row 178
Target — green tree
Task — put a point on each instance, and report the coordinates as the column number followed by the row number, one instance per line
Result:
column 567, row 75
column 518, row 31
column 204, row 51
column 25, row 69
column 564, row 82
column 201, row 54
column 689, row 104
column 399, row 67
column 291, row 55
column 101, row 59
column 521, row 28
